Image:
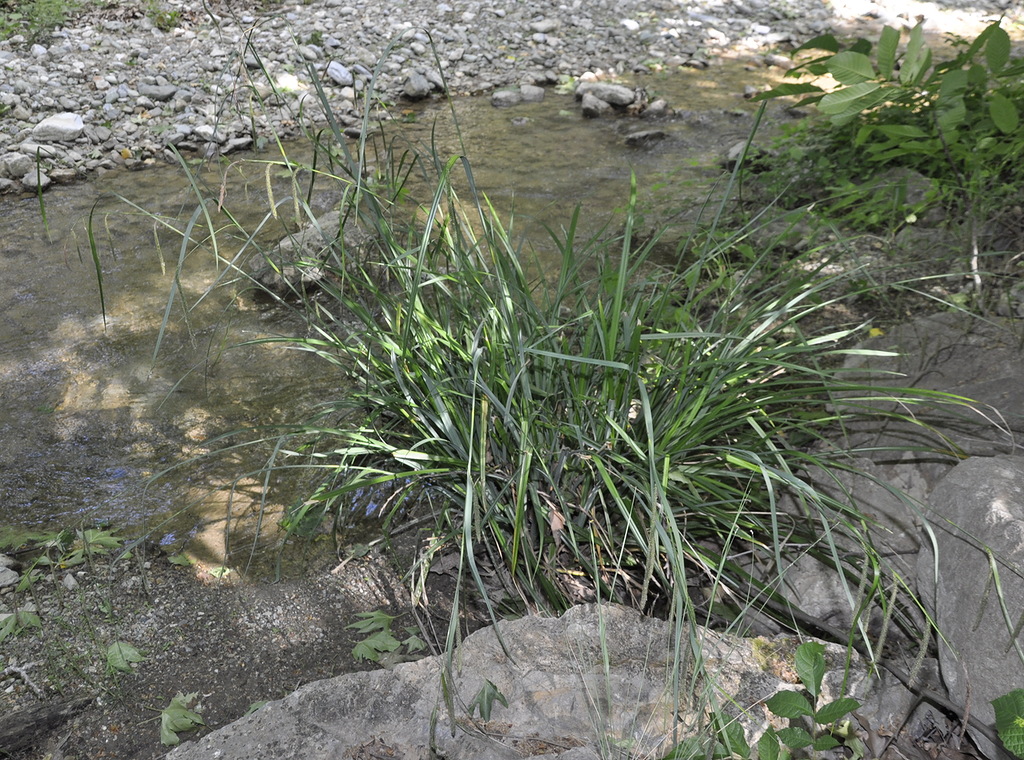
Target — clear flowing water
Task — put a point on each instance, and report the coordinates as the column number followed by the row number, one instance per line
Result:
column 89, row 416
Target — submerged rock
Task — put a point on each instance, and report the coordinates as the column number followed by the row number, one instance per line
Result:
column 506, row 98
column 593, row 107
column 300, row 261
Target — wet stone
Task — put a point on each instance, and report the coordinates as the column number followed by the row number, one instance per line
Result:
column 594, row 107
column 8, row 577
column 614, row 94
column 506, row 98
column 531, row 93
column 417, row 86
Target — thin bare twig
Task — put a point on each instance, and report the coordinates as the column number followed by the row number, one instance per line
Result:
column 22, row 671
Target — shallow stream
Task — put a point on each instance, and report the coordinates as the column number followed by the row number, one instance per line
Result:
column 89, row 416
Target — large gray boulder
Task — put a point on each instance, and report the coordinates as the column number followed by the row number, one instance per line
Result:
column 597, row 678
column 977, row 515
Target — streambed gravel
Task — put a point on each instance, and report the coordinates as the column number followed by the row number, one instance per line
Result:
column 124, row 81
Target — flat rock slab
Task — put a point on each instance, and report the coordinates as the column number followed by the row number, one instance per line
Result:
column 597, row 677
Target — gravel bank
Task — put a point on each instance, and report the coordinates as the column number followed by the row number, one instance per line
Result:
column 122, row 83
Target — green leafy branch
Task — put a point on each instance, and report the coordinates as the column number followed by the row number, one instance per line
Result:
column 956, row 121
column 910, row 79
column 828, row 729
column 826, row 724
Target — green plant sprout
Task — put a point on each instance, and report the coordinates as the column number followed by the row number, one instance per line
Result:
column 17, row 622
column 828, row 729
column 181, row 714
column 380, row 644
column 485, row 698
column 69, row 549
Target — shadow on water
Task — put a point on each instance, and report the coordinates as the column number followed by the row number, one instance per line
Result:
column 88, row 416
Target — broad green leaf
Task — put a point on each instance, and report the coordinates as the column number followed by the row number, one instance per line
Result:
column 863, row 134
column 818, row 69
column 18, row 621
column 178, row 716
column 692, row 748
column 951, row 115
column 794, row 737
column 980, row 41
column 825, row 742
column 862, row 46
column 376, row 620
column 485, row 698
column 810, row 101
column 373, row 646
column 787, row 88
column 901, row 131
column 954, row 84
column 1010, row 720
column 884, row 154
column 181, row 559
column 851, row 68
column 914, row 59
column 887, row 45
column 768, row 746
column 99, row 540
column 855, row 98
column 833, row 711
column 922, row 71
column 826, row 42
column 810, row 666
column 977, row 76
column 414, row 643
column 789, row 704
column 1003, row 112
column 734, row 740
column 997, row 51
column 120, row 656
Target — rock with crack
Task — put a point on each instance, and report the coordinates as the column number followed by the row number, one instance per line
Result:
column 973, row 583
column 599, row 676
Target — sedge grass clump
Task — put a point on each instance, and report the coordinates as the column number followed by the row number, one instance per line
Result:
column 617, row 430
